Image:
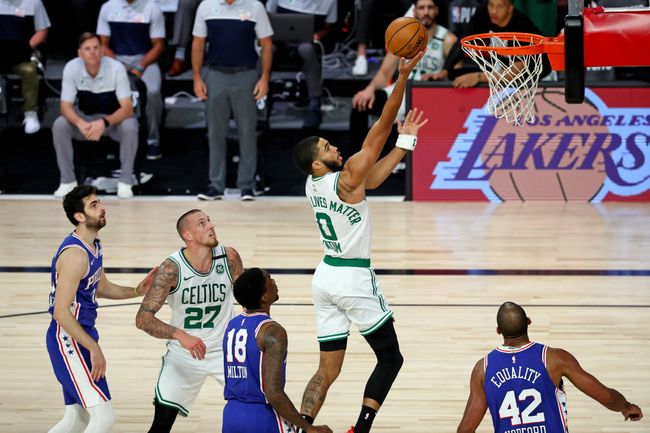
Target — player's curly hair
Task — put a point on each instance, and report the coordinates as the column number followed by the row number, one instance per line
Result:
column 73, row 201
column 305, row 153
column 249, row 288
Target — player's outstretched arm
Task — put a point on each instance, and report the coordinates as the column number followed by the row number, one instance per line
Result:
column 408, row 135
column 613, row 400
column 476, row 403
column 71, row 267
column 107, row 289
column 359, row 165
column 234, row 263
column 272, row 340
column 165, row 279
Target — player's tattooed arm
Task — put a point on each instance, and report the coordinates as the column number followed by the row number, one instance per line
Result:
column 164, row 281
column 272, row 340
column 234, row 262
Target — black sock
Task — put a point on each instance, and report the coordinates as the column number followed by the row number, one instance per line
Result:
column 366, row 417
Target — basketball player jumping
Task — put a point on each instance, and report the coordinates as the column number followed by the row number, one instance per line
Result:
column 196, row 281
column 521, row 383
column 344, row 286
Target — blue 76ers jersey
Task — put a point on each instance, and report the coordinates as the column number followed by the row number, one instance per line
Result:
column 242, row 359
column 84, row 306
column 520, row 394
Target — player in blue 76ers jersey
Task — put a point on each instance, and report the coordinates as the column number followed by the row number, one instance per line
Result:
column 255, row 352
column 521, row 383
column 72, row 341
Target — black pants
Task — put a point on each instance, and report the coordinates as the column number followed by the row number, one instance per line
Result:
column 359, row 126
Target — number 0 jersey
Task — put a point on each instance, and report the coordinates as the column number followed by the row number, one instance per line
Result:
column 242, row 359
column 202, row 303
column 345, row 229
column 520, row 394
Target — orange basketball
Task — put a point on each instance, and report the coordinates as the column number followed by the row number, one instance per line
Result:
column 405, row 37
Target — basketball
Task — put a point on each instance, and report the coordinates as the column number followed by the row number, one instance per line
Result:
column 405, row 37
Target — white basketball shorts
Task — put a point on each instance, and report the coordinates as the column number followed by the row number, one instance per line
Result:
column 344, row 295
column 181, row 377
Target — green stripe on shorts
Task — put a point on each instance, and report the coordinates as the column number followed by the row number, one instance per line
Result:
column 377, row 325
column 333, row 337
column 181, row 409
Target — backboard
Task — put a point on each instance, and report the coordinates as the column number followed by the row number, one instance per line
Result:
column 602, row 37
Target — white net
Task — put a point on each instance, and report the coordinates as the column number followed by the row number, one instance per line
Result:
column 513, row 79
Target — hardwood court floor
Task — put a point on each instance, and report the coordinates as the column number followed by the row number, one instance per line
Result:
column 581, row 271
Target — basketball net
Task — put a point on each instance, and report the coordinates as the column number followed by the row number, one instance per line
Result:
column 513, row 78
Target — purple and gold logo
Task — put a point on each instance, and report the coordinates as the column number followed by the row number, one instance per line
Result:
column 571, row 152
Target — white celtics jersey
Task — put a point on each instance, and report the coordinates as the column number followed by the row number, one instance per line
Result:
column 345, row 229
column 202, row 303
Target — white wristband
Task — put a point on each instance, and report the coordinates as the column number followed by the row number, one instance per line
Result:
column 406, row 142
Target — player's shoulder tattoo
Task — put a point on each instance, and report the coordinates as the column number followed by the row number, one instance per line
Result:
column 274, row 339
column 234, row 262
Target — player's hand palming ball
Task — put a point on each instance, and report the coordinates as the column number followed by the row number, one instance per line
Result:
column 405, row 37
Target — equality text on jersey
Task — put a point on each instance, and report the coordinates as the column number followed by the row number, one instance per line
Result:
column 510, row 373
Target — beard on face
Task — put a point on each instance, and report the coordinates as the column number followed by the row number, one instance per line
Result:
column 95, row 223
column 427, row 21
column 333, row 165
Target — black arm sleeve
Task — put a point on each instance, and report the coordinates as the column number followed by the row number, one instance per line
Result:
column 455, row 54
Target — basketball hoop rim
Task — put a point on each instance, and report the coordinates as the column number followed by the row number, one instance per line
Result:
column 539, row 44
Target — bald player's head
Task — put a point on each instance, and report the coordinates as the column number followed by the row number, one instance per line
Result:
column 181, row 224
column 512, row 321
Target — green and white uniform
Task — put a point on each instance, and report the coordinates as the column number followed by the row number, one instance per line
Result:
column 202, row 306
column 344, row 286
column 433, row 61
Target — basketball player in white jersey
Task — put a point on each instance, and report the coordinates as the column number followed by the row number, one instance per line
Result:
column 196, row 281
column 344, row 286
column 372, row 98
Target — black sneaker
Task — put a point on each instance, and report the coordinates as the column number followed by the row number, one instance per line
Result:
column 313, row 119
column 211, row 193
column 247, row 195
column 153, row 152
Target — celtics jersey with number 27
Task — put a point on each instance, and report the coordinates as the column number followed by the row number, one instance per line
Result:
column 201, row 303
column 345, row 229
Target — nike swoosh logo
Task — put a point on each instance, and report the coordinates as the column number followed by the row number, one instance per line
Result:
column 187, row 278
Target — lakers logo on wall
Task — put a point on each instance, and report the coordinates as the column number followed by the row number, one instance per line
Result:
column 576, row 152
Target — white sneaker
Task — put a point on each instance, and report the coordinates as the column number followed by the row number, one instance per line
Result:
column 64, row 188
column 31, row 123
column 360, row 66
column 124, row 190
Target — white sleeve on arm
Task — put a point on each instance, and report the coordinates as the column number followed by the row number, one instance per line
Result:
column 272, row 5
column 200, row 29
column 332, row 13
column 68, row 86
column 157, row 24
column 122, row 86
column 263, row 27
column 41, row 20
column 103, row 29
